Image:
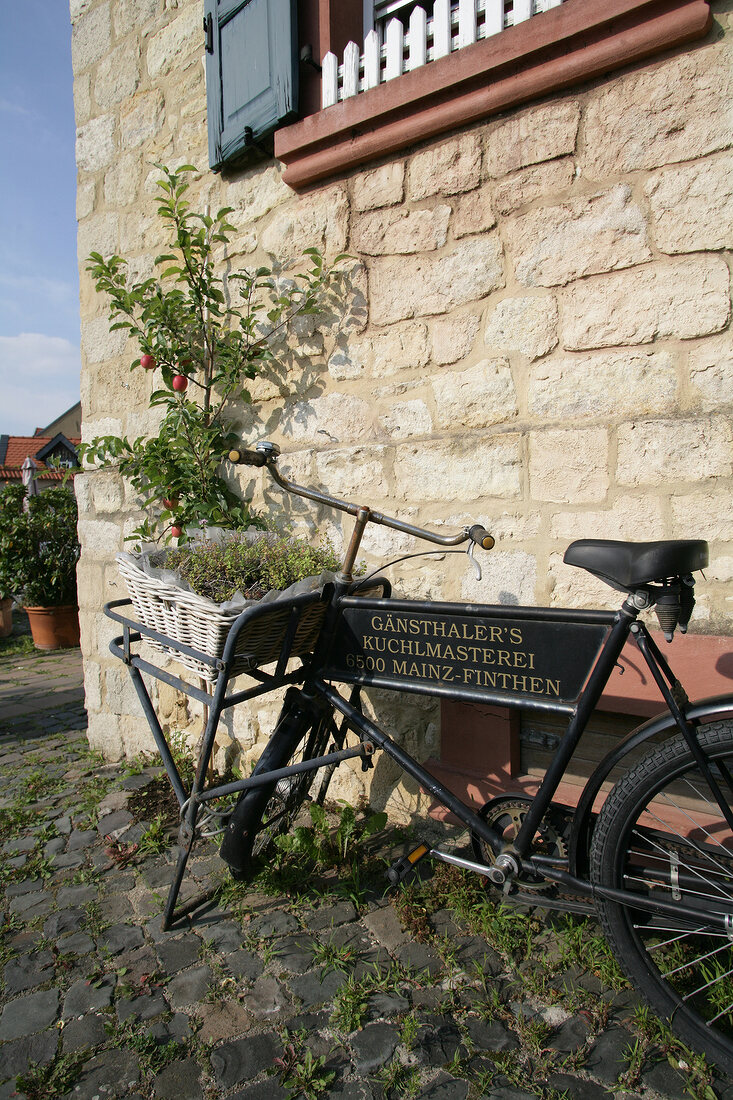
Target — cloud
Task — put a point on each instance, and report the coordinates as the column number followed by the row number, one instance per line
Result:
column 39, row 380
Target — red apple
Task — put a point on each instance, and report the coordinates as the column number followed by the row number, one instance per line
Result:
column 170, row 502
column 179, row 383
column 147, row 362
column 176, row 531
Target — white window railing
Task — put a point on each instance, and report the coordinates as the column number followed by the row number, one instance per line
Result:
column 391, row 49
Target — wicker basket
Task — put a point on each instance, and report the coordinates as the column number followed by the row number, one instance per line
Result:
column 193, row 621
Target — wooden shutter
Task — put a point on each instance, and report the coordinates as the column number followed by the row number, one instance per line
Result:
column 251, row 73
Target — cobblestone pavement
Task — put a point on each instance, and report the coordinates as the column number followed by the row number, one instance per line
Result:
column 319, row 989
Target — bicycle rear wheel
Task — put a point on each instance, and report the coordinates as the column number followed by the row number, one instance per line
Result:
column 265, row 812
column 661, row 832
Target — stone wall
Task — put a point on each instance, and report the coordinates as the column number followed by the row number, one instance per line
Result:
column 539, row 338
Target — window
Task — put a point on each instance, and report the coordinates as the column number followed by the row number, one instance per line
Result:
column 251, row 75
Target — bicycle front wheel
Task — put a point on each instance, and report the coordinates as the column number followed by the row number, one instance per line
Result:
column 662, row 833
column 265, row 812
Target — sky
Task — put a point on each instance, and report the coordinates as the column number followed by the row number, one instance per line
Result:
column 39, row 283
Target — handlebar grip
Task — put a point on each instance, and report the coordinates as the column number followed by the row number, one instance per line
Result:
column 481, row 537
column 248, row 458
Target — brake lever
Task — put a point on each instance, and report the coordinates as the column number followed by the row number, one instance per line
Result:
column 474, row 563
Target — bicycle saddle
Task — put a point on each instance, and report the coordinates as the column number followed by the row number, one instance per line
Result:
column 628, row 565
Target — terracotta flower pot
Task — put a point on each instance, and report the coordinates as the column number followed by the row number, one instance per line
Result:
column 54, row 627
column 6, row 617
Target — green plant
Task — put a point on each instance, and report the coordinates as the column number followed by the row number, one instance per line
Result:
column 325, row 846
column 200, row 344
column 53, row 1079
column 302, row 1073
column 252, row 566
column 156, row 838
column 39, row 547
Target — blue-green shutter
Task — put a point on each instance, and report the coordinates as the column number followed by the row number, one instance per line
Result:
column 251, row 73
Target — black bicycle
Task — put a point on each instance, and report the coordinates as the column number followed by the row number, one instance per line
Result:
column 655, row 864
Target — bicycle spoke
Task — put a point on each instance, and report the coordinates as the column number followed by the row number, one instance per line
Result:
column 694, row 962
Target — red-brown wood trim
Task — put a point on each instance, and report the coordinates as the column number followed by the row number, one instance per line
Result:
column 580, row 40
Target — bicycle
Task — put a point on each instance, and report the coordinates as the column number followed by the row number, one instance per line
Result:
column 655, row 863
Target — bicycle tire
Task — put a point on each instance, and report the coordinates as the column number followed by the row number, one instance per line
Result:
column 265, row 812
column 662, row 832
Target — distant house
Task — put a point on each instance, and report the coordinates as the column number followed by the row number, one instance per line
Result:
column 51, row 449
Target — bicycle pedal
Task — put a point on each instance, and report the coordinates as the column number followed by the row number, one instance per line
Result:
column 404, row 866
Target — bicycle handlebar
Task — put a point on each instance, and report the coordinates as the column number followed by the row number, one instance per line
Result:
column 266, row 454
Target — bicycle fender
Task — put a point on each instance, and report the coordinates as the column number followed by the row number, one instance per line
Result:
column 717, row 706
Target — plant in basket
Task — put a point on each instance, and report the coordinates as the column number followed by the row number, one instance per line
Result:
column 194, row 593
column 202, row 338
column 39, row 551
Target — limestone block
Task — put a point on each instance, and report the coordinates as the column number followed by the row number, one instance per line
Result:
column 120, row 696
column 572, row 587
column 92, row 686
column 95, row 143
column 107, row 492
column 108, row 425
column 474, row 398
column 353, row 472
column 103, row 735
column 333, row 418
column 122, row 180
column 85, row 198
column 629, row 517
column 703, row 514
column 132, row 15
column 508, row 577
column 527, row 325
column 91, row 37
column 682, row 298
column 99, row 233
column 117, row 76
column 400, row 231
column 711, row 371
column 663, row 452
column 98, row 343
column 445, row 169
column 77, row 8
column 383, row 543
column 674, row 110
column 554, row 245
column 420, row 286
column 316, row 220
column 99, row 538
column 462, row 468
column 142, row 120
column 82, row 98
column 406, row 418
column 452, row 337
column 383, row 186
column 473, row 213
column 83, row 490
column 256, row 194
column 137, row 740
column 398, row 348
column 534, row 182
column 169, row 45
column 568, row 465
column 614, row 384
column 534, row 135
column 692, row 206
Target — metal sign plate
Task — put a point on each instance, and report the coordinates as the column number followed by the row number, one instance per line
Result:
column 536, row 654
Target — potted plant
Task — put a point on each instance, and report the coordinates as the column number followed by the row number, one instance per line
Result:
column 202, row 339
column 11, row 510
column 41, row 535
